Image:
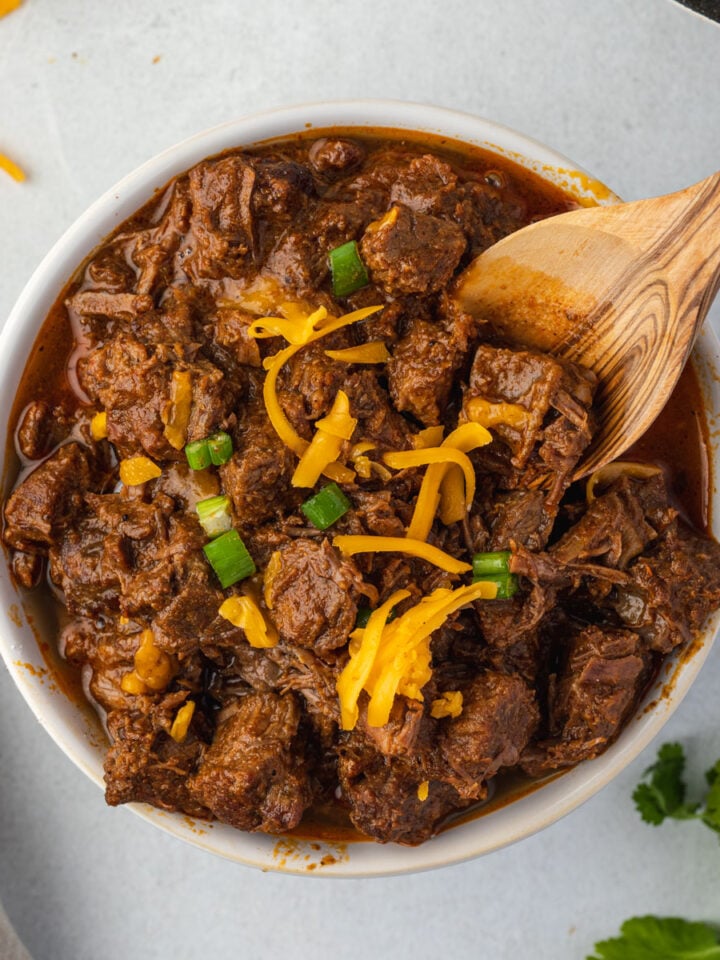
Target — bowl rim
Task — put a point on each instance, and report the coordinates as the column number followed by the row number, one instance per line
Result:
column 77, row 735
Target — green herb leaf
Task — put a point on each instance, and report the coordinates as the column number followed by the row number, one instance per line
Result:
column 664, row 795
column 660, row 938
column 711, row 814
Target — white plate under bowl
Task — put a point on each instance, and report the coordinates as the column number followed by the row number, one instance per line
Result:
column 23, row 621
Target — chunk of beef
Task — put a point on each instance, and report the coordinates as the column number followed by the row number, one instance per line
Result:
column 126, row 555
column 48, row 499
column 191, row 621
column 155, row 247
column 313, row 595
column 257, row 476
column 253, row 775
column 619, row 525
column 229, row 327
column 673, row 588
column 499, row 716
column 300, row 257
column 113, row 306
column 590, row 699
column 109, row 270
column 105, row 653
column 373, row 512
column 221, row 237
column 133, row 383
column 377, row 420
column 41, row 428
column 331, row 156
column 407, row 252
column 144, row 764
column 421, row 372
column 426, row 185
column 520, row 517
column 282, row 189
column 382, row 793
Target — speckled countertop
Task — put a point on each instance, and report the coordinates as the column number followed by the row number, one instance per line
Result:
column 627, row 88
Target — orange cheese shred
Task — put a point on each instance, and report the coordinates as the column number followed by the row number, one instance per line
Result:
column 373, row 352
column 401, row 657
column 349, row 545
column 136, row 470
column 244, row 612
column 306, row 332
column 464, row 438
column 177, row 415
column 6, row 164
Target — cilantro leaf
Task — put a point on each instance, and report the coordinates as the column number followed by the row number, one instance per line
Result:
column 664, row 795
column 711, row 814
column 660, row 938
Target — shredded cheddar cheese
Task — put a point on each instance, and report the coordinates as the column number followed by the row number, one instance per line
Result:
column 356, row 673
column 350, row 545
column 436, row 455
column 327, row 442
column 136, row 470
column 423, row 790
column 390, row 659
column 490, row 414
column 153, row 667
column 450, row 704
column 243, row 612
column 465, row 438
column 305, row 329
column 7, row 6
column 373, row 352
column 181, row 723
column 177, row 415
column 429, row 437
column 98, row 426
column 6, row 164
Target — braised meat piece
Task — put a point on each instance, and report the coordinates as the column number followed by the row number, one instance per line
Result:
column 47, row 501
column 145, row 764
column 313, row 595
column 133, row 384
column 672, row 589
column 409, row 252
column 41, row 428
column 253, row 775
column 420, row 372
column 126, row 555
column 257, row 477
column 618, row 525
column 589, row 700
column 382, row 793
column 221, row 222
column 499, row 715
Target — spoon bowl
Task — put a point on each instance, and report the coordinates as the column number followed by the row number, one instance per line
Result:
column 621, row 289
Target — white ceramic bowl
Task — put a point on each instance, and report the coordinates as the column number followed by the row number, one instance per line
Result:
column 23, row 625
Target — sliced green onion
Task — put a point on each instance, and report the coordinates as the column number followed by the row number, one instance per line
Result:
column 348, row 270
column 363, row 615
column 491, row 563
column 507, row 584
column 326, row 507
column 214, row 515
column 220, row 446
column 229, row 558
column 198, row 454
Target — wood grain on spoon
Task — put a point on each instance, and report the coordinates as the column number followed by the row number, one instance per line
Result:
column 622, row 289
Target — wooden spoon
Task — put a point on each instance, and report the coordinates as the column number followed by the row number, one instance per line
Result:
column 621, row 289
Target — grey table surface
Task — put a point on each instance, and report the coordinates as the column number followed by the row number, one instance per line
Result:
column 628, row 89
